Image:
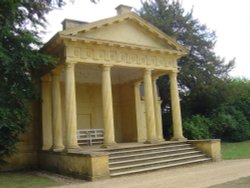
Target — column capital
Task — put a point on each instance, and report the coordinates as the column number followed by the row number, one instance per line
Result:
column 137, row 84
column 148, row 70
column 106, row 67
column 56, row 71
column 154, row 78
column 175, row 71
column 46, row 78
column 69, row 64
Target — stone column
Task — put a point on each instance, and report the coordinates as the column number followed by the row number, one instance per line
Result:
column 158, row 118
column 107, row 102
column 149, row 107
column 141, row 130
column 46, row 112
column 175, row 107
column 70, row 107
column 57, row 112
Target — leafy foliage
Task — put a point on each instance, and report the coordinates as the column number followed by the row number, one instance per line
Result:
column 19, row 61
column 212, row 104
column 201, row 70
column 197, row 127
column 229, row 121
column 230, row 124
column 231, row 118
column 203, row 75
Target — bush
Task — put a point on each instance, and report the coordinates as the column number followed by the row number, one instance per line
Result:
column 197, row 127
column 230, row 124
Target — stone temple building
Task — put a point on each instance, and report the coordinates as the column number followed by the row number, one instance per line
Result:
column 101, row 100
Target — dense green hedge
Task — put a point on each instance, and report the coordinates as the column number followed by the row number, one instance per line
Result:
column 229, row 121
column 197, row 127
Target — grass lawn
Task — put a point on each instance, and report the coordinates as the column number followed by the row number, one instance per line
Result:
column 25, row 180
column 237, row 150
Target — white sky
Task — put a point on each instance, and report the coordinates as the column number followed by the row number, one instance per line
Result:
column 230, row 19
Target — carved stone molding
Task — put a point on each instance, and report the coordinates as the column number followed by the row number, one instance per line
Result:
column 119, row 56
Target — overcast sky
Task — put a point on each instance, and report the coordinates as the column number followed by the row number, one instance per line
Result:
column 230, row 19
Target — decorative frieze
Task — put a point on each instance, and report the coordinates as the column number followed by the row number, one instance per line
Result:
column 120, row 56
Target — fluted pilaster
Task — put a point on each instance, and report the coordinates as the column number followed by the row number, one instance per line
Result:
column 46, row 112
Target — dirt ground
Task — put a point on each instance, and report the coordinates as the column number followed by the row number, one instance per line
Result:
column 239, row 183
column 224, row 174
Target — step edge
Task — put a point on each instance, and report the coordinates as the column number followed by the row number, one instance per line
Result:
column 159, row 167
column 155, row 157
column 157, row 162
column 145, row 148
column 140, row 154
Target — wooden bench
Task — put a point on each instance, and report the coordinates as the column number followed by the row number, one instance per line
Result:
column 90, row 136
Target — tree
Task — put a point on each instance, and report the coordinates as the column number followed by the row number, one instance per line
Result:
column 201, row 71
column 21, row 22
column 20, row 59
column 232, row 118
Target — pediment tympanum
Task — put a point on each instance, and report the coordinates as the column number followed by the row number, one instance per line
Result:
column 127, row 29
column 126, row 32
column 123, row 40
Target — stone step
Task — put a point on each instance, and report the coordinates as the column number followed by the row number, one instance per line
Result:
column 146, row 148
column 149, row 153
column 150, row 168
column 156, row 162
column 150, row 158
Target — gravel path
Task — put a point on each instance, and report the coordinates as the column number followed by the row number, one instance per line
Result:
column 197, row 176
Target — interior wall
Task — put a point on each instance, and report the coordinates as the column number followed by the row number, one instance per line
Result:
column 89, row 109
column 128, row 113
column 89, row 106
column 117, row 112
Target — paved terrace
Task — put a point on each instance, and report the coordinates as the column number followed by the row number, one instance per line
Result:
column 197, row 176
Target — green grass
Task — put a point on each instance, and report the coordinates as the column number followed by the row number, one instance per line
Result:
column 237, row 150
column 25, row 180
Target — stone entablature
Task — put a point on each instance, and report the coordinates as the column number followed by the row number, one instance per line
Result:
column 99, row 54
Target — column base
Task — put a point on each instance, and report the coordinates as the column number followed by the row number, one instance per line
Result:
column 72, row 148
column 109, row 145
column 151, row 142
column 46, row 148
column 161, row 140
column 58, row 148
column 178, row 139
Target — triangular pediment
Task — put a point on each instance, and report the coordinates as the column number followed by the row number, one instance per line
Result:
column 126, row 32
column 126, row 29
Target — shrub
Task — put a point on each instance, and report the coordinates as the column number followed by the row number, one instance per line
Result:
column 230, row 124
column 197, row 127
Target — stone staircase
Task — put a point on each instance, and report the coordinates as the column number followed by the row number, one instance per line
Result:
column 149, row 157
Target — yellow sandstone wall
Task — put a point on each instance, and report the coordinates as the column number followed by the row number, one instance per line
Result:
column 89, row 109
column 89, row 166
column 26, row 155
column 128, row 113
